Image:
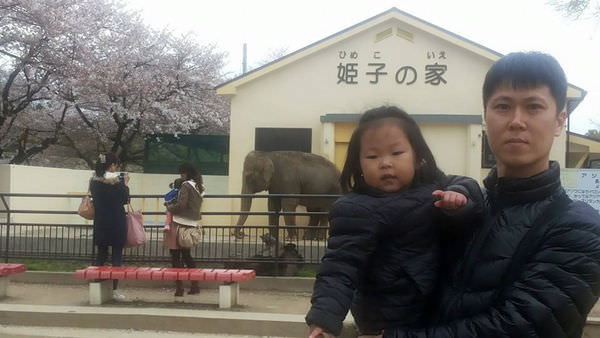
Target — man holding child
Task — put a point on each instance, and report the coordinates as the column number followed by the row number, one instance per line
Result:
column 531, row 268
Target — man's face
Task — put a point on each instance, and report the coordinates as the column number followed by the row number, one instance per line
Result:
column 521, row 126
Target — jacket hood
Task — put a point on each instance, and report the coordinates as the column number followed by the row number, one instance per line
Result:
column 112, row 180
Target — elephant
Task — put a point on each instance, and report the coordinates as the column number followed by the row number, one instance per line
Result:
column 289, row 172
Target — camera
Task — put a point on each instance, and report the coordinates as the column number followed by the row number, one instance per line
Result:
column 122, row 176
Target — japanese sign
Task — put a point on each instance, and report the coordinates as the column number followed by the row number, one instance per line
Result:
column 351, row 69
column 582, row 185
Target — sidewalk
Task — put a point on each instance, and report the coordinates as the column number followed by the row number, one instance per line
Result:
column 54, row 332
column 61, row 309
column 265, row 310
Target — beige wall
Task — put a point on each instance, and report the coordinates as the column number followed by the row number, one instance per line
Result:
column 559, row 149
column 299, row 93
column 456, row 147
column 4, row 186
column 42, row 180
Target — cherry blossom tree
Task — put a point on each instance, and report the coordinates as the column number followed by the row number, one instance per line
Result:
column 85, row 76
column 37, row 38
column 577, row 9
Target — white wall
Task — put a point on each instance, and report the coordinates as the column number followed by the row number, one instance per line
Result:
column 42, row 180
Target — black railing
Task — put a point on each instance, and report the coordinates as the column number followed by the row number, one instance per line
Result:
column 264, row 247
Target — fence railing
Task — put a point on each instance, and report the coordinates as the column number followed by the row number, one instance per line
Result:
column 265, row 247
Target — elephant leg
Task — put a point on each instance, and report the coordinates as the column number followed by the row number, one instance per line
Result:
column 290, row 220
column 324, row 223
column 274, row 206
column 313, row 222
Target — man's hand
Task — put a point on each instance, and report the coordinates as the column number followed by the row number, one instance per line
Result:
column 449, row 200
column 317, row 332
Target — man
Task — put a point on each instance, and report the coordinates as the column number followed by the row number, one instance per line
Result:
column 532, row 267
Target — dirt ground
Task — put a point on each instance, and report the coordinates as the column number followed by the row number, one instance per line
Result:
column 250, row 300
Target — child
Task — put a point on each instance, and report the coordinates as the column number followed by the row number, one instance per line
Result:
column 382, row 253
column 171, row 197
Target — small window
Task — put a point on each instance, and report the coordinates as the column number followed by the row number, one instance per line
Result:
column 488, row 160
column 273, row 139
column 164, row 153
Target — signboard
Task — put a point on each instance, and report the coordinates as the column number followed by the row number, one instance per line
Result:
column 582, row 185
column 350, row 70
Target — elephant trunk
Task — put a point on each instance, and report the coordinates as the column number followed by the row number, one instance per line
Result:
column 246, row 205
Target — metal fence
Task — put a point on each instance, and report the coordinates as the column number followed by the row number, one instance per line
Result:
column 74, row 242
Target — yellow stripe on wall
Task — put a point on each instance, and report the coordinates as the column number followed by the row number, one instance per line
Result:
column 343, row 132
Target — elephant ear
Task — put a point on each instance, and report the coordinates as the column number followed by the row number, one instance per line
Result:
column 268, row 171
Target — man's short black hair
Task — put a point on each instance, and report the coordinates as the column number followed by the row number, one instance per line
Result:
column 527, row 70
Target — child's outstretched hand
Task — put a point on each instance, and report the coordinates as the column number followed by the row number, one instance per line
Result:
column 449, row 200
column 317, row 332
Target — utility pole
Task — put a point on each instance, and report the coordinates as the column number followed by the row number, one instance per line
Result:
column 245, row 59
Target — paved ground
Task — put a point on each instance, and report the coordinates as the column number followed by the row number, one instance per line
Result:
column 53, row 332
column 250, row 300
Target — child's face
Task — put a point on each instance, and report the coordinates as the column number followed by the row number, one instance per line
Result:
column 387, row 159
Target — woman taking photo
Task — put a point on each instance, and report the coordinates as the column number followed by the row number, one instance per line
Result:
column 109, row 193
column 186, row 213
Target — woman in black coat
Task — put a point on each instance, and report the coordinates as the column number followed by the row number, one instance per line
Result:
column 109, row 193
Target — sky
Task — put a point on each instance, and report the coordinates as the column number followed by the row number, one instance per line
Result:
column 502, row 25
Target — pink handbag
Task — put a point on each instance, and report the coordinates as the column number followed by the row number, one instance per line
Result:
column 136, row 235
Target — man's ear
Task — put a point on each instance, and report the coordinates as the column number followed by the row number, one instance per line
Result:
column 560, row 122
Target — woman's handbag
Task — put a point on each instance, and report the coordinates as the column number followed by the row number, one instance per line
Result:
column 86, row 208
column 136, row 235
column 188, row 236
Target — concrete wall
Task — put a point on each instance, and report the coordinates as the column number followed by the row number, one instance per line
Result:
column 298, row 94
column 42, row 180
column 4, row 186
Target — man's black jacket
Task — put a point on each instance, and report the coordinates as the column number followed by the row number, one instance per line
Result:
column 556, row 285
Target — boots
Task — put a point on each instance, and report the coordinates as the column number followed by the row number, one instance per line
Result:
column 179, row 288
column 194, row 290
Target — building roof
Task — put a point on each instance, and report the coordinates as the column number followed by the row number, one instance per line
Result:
column 575, row 93
column 593, row 144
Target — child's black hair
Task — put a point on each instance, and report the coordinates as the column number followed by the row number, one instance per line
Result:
column 527, row 70
column 177, row 183
column 426, row 170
